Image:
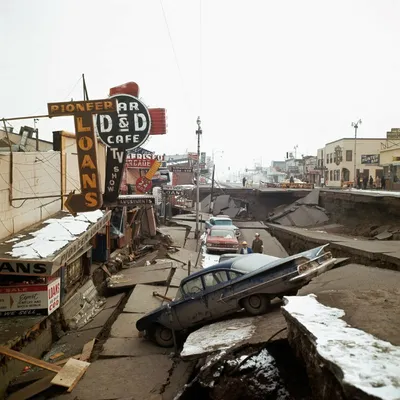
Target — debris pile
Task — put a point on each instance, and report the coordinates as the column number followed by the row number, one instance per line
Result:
column 225, row 204
column 302, row 213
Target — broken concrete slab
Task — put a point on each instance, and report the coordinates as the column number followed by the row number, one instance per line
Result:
column 250, row 225
column 232, row 212
column 131, row 347
column 205, row 203
column 372, row 247
column 155, row 273
column 177, row 234
column 125, row 325
column 113, row 301
column 142, row 300
column 73, row 342
column 184, row 256
column 303, row 216
column 218, row 336
column 99, row 320
column 178, row 276
column 384, row 236
column 311, row 199
column 221, row 202
column 142, row 261
column 114, row 378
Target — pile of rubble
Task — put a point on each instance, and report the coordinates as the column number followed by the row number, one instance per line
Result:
column 302, row 213
column 224, row 204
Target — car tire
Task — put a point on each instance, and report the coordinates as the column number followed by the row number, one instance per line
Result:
column 163, row 336
column 256, row 304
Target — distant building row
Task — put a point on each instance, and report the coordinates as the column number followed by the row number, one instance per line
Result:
column 339, row 162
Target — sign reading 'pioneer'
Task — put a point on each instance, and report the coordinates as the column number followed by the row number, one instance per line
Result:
column 129, row 127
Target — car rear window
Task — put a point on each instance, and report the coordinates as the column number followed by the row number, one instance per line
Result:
column 214, row 278
column 234, row 275
column 229, row 234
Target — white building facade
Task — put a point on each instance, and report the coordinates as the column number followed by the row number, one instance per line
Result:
column 345, row 156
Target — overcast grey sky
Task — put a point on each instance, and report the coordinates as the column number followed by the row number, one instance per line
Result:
column 275, row 74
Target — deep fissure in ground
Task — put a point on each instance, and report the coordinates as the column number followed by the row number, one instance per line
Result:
column 273, row 372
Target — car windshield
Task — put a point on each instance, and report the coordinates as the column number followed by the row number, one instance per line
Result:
column 228, row 234
column 223, row 222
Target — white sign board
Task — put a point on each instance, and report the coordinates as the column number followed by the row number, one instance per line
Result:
column 30, row 299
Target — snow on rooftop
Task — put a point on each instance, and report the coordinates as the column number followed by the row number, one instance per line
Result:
column 370, row 364
column 218, row 336
column 54, row 236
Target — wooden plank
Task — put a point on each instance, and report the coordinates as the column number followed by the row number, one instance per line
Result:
column 72, row 371
column 87, row 350
column 57, row 355
column 34, row 388
column 28, row 359
column 62, row 362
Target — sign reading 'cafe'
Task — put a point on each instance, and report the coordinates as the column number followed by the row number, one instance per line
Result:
column 123, row 122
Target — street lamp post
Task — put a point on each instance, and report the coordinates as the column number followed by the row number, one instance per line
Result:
column 198, row 133
column 355, row 126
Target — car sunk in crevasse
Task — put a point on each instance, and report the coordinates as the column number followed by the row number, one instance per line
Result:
column 249, row 281
column 221, row 220
column 221, row 239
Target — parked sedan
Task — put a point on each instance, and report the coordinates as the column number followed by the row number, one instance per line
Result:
column 222, row 221
column 222, row 239
column 247, row 282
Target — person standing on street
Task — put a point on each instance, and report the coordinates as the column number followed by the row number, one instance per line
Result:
column 383, row 183
column 244, row 181
column 245, row 249
column 258, row 245
column 371, row 182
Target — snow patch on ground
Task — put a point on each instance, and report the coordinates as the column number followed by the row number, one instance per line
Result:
column 54, row 236
column 208, row 260
column 380, row 192
column 219, row 336
column 370, row 364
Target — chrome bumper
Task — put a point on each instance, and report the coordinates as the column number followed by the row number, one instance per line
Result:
column 313, row 268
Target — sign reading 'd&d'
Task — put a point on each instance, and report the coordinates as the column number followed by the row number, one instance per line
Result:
column 124, row 130
column 129, row 127
column 90, row 198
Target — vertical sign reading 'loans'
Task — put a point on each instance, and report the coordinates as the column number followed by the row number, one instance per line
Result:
column 124, row 130
column 90, row 197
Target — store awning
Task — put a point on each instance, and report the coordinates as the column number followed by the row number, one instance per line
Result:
column 43, row 249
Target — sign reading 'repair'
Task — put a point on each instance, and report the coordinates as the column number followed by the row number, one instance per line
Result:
column 90, row 198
